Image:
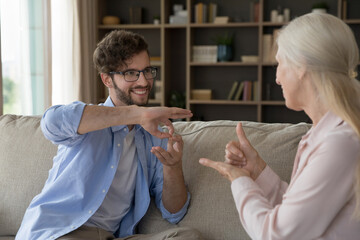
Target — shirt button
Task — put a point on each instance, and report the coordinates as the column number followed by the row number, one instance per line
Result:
column 72, row 227
column 103, row 191
column 112, row 166
column 119, row 144
column 124, row 129
column 90, row 211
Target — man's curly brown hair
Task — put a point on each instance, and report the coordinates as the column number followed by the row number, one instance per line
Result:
column 116, row 48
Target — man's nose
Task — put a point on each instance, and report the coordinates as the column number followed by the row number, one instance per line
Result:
column 142, row 80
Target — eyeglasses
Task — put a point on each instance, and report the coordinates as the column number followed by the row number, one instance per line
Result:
column 133, row 75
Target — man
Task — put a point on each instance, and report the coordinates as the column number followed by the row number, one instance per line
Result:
column 111, row 157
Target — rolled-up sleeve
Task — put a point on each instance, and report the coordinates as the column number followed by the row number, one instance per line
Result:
column 175, row 217
column 59, row 123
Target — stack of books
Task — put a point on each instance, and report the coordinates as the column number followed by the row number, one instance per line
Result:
column 245, row 91
column 204, row 53
column 205, row 13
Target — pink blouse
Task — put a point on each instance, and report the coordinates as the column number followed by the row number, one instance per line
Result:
column 320, row 199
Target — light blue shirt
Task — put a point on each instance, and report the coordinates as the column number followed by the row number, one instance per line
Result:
column 82, row 173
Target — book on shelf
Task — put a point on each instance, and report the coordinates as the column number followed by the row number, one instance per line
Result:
column 221, row 20
column 274, row 46
column 212, row 12
column 254, row 11
column 255, row 91
column 135, row 14
column 158, row 92
column 204, row 13
column 247, row 91
column 200, row 13
column 267, row 44
column 344, row 9
column 270, row 46
column 232, row 90
column 239, row 91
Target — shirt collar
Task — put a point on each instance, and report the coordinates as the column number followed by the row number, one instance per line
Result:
column 327, row 122
column 109, row 103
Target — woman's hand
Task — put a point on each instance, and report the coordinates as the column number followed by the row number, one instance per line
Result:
column 242, row 154
column 227, row 170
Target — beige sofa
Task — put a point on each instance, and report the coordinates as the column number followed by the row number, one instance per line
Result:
column 26, row 156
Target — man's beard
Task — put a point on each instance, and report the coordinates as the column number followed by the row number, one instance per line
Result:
column 126, row 98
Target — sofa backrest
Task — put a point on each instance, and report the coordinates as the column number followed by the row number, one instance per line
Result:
column 25, row 159
column 212, row 208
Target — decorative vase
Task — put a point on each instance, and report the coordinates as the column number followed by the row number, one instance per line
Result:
column 224, row 53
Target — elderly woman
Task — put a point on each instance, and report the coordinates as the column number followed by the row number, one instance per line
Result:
column 317, row 57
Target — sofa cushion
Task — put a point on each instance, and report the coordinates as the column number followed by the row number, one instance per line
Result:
column 212, row 209
column 25, row 159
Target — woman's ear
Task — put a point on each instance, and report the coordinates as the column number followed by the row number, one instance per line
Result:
column 301, row 72
column 106, row 79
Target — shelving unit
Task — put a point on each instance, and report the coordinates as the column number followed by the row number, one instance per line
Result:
column 173, row 44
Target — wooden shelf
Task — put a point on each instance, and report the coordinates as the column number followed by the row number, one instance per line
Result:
column 273, row 24
column 173, row 44
column 225, row 25
column 156, row 63
column 352, row 21
column 223, row 102
column 223, row 64
column 168, row 25
column 130, row 26
column 273, row 103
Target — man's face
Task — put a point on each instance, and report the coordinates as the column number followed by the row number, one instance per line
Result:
column 132, row 93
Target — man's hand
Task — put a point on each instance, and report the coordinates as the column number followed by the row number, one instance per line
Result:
column 242, row 154
column 171, row 157
column 174, row 191
column 153, row 116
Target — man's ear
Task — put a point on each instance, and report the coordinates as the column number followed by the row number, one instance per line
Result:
column 106, row 79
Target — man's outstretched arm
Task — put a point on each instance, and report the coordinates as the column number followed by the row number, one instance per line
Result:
column 98, row 117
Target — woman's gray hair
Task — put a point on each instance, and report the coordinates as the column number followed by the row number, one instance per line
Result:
column 320, row 42
column 326, row 48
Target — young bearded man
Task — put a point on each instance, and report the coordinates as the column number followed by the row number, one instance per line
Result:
column 111, row 157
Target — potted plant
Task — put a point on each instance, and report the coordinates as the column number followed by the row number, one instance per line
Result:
column 225, row 47
column 177, row 99
column 320, row 7
column 156, row 19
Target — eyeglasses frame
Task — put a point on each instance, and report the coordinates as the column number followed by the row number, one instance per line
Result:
column 141, row 71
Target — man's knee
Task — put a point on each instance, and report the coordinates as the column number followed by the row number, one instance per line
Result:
column 184, row 233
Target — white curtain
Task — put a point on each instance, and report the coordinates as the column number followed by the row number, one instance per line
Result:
column 85, row 43
column 62, row 22
column 73, row 41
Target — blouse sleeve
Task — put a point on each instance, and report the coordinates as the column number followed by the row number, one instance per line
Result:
column 272, row 186
column 319, row 192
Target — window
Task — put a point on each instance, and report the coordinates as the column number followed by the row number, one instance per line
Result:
column 24, row 57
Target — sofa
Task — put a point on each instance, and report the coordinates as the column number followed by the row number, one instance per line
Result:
column 26, row 157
